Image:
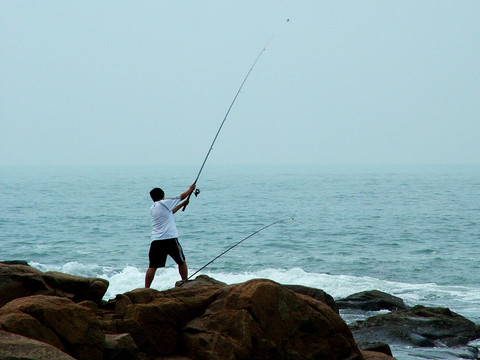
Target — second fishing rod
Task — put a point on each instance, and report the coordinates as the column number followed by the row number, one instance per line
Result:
column 197, row 191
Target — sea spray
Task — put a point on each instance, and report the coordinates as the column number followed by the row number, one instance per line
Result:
column 461, row 299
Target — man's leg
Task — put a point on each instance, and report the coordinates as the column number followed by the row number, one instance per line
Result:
column 183, row 270
column 149, row 276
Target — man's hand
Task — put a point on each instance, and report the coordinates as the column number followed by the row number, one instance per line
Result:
column 188, row 192
column 181, row 205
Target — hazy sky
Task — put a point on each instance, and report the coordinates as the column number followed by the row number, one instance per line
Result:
column 149, row 82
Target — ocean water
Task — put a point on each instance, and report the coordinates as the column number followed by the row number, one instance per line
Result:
column 412, row 231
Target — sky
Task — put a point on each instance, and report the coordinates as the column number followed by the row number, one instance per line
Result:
column 149, row 82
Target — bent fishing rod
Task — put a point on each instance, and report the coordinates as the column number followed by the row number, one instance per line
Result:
column 197, row 191
column 231, row 247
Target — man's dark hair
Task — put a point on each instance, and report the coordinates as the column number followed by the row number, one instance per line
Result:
column 157, row 194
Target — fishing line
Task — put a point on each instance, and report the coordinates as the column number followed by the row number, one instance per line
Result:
column 197, row 191
column 231, row 247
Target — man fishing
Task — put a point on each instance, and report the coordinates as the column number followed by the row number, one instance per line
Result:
column 165, row 234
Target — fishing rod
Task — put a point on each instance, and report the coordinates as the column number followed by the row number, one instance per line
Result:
column 197, row 191
column 231, row 247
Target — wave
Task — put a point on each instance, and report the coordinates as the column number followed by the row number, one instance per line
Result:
column 461, row 299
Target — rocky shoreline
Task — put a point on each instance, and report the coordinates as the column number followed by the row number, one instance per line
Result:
column 51, row 315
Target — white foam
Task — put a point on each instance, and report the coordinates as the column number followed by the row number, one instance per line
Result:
column 128, row 279
column 461, row 299
column 73, row 267
column 132, row 278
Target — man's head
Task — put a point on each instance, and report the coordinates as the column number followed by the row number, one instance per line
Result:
column 157, row 194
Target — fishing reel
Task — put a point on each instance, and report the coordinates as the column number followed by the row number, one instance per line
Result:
column 196, row 193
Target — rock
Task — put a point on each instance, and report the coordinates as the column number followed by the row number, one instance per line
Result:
column 419, row 326
column 76, row 288
column 372, row 300
column 22, row 280
column 299, row 289
column 121, row 347
column 372, row 355
column 28, row 326
column 145, row 313
column 261, row 319
column 89, row 304
column 316, row 294
column 56, row 321
column 14, row 262
column 17, row 347
column 19, row 281
column 377, row 347
column 199, row 281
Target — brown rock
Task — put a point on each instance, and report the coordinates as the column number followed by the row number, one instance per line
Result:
column 16, row 347
column 18, row 281
column 316, row 294
column 373, row 355
column 22, row 280
column 26, row 325
column 199, row 281
column 121, row 347
column 260, row 319
column 77, row 288
column 56, row 321
column 376, row 347
column 152, row 312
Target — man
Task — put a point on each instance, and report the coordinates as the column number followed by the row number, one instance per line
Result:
column 165, row 234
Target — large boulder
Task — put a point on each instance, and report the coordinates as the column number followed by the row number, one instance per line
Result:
column 146, row 313
column 376, row 347
column 77, row 288
column 121, row 347
column 372, row 300
column 373, row 355
column 14, row 262
column 17, row 347
column 419, row 326
column 200, row 280
column 261, row 319
column 56, row 321
column 316, row 294
column 18, row 280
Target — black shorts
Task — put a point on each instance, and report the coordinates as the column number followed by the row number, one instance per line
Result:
column 159, row 249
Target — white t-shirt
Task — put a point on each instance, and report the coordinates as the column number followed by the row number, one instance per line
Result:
column 163, row 222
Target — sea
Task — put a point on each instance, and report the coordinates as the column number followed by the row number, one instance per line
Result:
column 411, row 231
